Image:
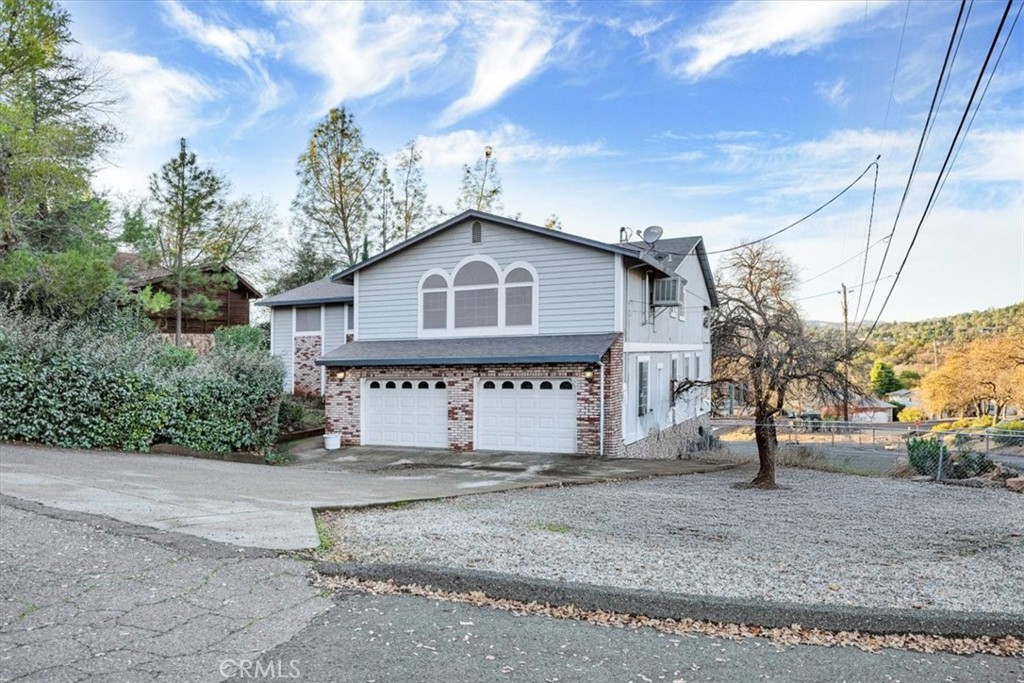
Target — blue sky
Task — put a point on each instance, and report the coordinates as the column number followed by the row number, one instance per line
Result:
column 727, row 120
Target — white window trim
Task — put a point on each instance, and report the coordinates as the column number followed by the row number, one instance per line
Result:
column 501, row 328
column 639, row 360
column 295, row 317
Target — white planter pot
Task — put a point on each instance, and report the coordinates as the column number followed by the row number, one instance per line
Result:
column 332, row 442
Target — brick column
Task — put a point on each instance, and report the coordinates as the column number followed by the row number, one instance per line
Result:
column 460, row 413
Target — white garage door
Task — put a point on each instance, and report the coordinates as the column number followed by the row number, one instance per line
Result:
column 537, row 415
column 408, row 412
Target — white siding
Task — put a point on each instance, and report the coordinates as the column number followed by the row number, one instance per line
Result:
column 576, row 282
column 659, row 339
column 283, row 340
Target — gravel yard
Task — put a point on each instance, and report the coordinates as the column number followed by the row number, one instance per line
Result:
column 826, row 538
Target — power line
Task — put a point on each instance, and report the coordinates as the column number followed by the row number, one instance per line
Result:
column 984, row 91
column 849, row 289
column 917, row 155
column 840, row 265
column 867, row 242
column 801, row 220
column 936, row 188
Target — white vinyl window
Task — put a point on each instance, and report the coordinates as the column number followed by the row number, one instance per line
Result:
column 435, row 303
column 307, row 320
column 477, row 297
column 519, row 293
column 643, row 387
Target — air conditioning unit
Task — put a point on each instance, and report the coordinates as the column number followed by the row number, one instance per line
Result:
column 669, row 291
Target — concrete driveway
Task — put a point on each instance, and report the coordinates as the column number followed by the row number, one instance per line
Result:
column 271, row 507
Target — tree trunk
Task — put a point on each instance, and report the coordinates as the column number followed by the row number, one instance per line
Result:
column 767, row 440
column 177, row 315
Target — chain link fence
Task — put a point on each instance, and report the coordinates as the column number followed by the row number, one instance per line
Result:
column 887, row 448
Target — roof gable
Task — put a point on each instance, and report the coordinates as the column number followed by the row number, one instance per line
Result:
column 346, row 275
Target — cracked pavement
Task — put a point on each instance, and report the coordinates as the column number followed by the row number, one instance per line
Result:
column 92, row 598
column 86, row 598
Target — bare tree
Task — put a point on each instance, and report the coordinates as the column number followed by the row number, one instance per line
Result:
column 481, row 185
column 760, row 342
column 412, row 212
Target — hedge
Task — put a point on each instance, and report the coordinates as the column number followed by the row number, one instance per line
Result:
column 105, row 382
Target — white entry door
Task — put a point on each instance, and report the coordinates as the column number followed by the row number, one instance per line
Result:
column 408, row 412
column 536, row 415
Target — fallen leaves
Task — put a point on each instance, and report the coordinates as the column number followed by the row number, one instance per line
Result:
column 790, row 636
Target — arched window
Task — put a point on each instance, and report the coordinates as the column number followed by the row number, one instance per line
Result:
column 519, row 294
column 476, row 295
column 435, row 302
column 407, row 385
column 488, row 384
column 423, row 385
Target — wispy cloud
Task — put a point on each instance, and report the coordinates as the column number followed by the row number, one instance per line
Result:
column 834, row 92
column 160, row 105
column 511, row 144
column 361, row 49
column 243, row 47
column 786, row 27
column 513, row 39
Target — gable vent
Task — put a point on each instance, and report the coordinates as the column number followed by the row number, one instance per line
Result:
column 478, row 232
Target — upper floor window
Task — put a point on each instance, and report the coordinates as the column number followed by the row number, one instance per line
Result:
column 307, row 320
column 435, row 302
column 476, row 295
column 479, row 295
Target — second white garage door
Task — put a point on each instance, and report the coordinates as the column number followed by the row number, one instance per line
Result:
column 405, row 413
column 536, row 415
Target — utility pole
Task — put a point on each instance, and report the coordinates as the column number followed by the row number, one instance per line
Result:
column 846, row 358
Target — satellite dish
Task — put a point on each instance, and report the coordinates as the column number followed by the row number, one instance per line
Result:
column 653, row 234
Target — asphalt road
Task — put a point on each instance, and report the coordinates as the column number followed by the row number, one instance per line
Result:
column 399, row 638
column 86, row 598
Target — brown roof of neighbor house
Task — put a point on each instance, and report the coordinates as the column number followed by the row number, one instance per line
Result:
column 146, row 275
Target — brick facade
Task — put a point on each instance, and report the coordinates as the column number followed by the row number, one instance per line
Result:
column 343, row 399
column 343, row 404
column 307, row 374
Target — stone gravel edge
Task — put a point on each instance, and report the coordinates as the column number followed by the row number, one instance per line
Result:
column 190, row 545
column 663, row 605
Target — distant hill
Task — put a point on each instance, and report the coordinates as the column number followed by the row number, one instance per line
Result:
column 924, row 343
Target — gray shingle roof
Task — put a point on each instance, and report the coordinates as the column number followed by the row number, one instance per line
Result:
column 574, row 348
column 674, row 249
column 323, row 291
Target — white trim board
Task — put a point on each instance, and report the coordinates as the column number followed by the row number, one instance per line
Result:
column 659, row 347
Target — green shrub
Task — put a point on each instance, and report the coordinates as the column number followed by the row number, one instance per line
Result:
column 228, row 401
column 982, row 422
column 956, row 425
column 242, row 337
column 175, row 357
column 291, row 413
column 109, row 381
column 924, row 454
column 967, row 465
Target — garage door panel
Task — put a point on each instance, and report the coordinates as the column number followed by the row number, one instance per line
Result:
column 415, row 416
column 526, row 419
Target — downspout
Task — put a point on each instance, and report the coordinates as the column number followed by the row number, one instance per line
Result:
column 600, row 364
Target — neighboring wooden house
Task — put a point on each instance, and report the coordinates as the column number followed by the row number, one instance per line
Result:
column 488, row 333
column 233, row 308
column 304, row 322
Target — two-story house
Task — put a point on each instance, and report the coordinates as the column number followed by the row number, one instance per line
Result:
column 306, row 322
column 488, row 333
